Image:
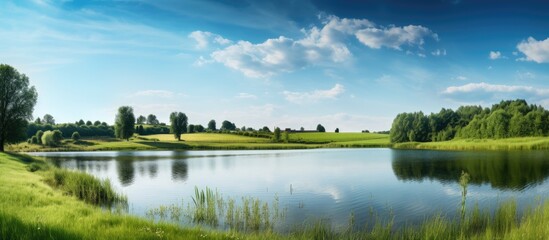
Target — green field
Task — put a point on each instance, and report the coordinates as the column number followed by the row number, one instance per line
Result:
column 212, row 141
column 524, row 143
column 33, row 209
column 224, row 141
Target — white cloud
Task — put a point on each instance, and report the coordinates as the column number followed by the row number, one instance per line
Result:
column 486, row 87
column 461, row 78
column 325, row 45
column 316, row 95
column 536, row 51
column 154, row 93
column 495, row 55
column 439, row 52
column 525, row 75
column 246, row 96
column 475, row 92
column 394, row 37
column 203, row 39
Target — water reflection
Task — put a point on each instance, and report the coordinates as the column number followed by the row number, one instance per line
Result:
column 501, row 169
column 179, row 170
column 322, row 183
column 126, row 171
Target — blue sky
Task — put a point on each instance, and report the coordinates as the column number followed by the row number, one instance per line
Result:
column 347, row 64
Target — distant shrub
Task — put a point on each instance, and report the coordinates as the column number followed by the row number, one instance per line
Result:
column 75, row 136
column 34, row 140
column 57, row 136
column 38, row 135
column 52, row 138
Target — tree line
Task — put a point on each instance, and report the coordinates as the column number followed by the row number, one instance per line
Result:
column 510, row 118
column 17, row 101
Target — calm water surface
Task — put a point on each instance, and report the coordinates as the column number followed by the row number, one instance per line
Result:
column 323, row 183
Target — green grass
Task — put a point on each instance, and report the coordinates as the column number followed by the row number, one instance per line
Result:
column 524, row 143
column 32, row 209
column 213, row 141
column 85, row 187
column 329, row 137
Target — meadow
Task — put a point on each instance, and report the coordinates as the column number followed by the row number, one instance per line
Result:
column 522, row 143
column 213, row 141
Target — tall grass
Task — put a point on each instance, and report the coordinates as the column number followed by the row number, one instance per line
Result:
column 86, row 187
column 212, row 209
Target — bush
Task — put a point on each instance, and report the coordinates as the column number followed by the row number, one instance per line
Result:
column 57, row 136
column 39, row 134
column 52, row 138
column 75, row 136
column 34, row 140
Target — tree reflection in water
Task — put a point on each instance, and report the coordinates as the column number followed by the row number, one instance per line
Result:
column 515, row 170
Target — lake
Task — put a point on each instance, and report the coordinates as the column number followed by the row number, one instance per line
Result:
column 329, row 184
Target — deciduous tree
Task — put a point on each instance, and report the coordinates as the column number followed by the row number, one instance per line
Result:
column 178, row 121
column 17, row 100
column 124, row 123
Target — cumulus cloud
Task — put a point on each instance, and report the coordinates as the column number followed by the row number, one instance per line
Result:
column 394, row 37
column 316, row 95
column 154, row 93
column 204, row 39
column 536, row 51
column 495, row 55
column 485, row 91
column 319, row 45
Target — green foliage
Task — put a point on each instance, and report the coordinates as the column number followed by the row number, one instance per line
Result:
column 513, row 118
column 38, row 135
column 265, row 129
column 34, row 140
column 152, row 120
column 141, row 120
column 228, row 126
column 199, row 128
column 48, row 119
column 337, row 130
column 124, row 123
column 75, row 136
column 276, row 135
column 178, row 121
column 17, row 100
column 211, row 125
column 320, row 128
column 286, row 136
column 102, row 130
column 52, row 138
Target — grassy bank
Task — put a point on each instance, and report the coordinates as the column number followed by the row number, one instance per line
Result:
column 33, row 208
column 524, row 143
column 214, row 141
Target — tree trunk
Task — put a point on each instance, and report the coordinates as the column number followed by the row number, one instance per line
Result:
column 1, row 144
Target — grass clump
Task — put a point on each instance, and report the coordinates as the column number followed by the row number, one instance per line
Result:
column 205, row 204
column 85, row 187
